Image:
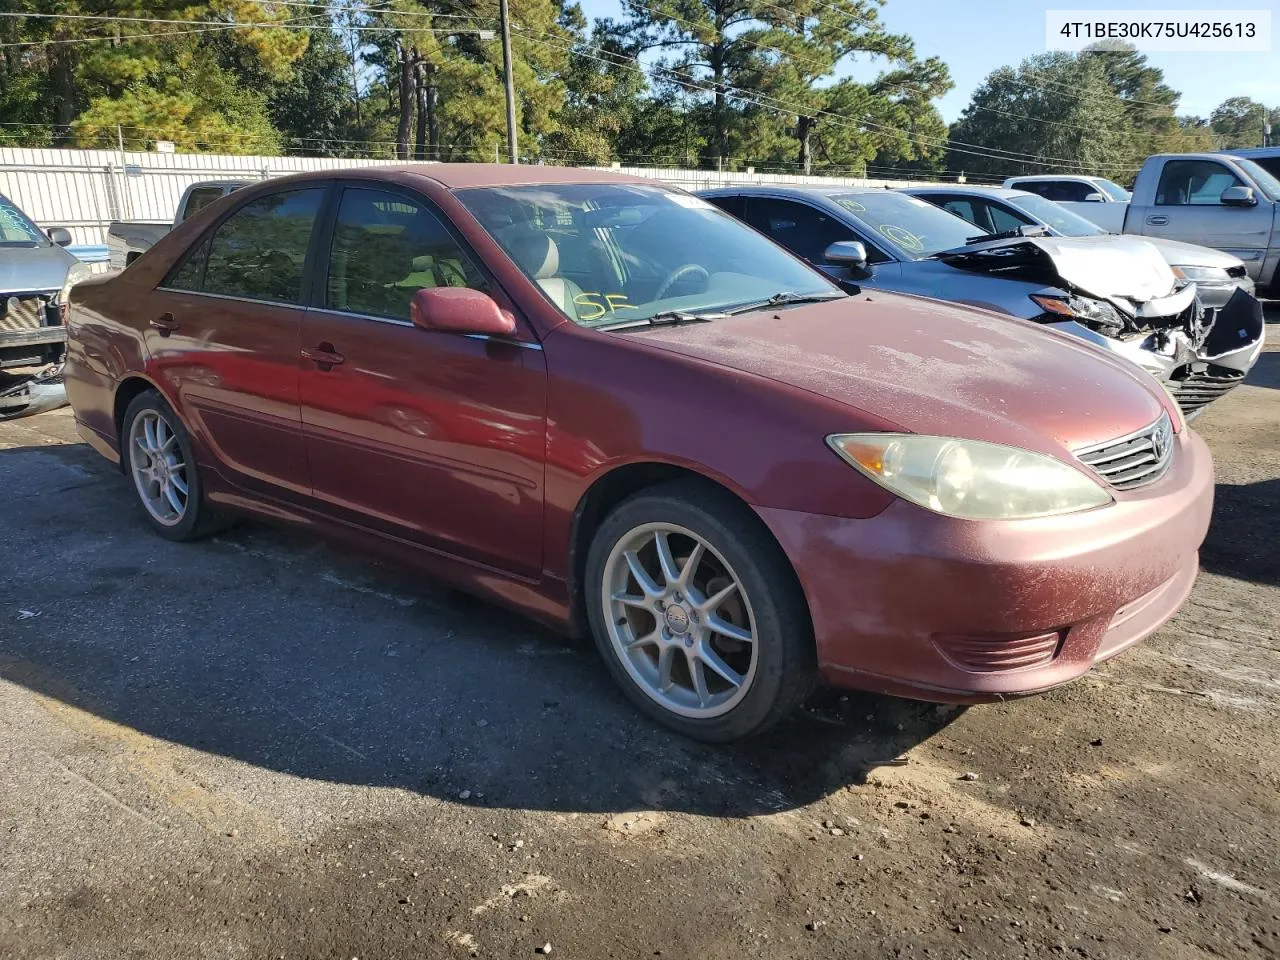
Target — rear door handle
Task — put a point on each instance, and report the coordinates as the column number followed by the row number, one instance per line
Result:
column 1157, row 221
column 323, row 356
column 164, row 324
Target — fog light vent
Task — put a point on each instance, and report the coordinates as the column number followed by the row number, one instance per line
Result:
column 991, row 653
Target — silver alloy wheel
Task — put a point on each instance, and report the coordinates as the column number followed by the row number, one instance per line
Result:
column 159, row 468
column 679, row 620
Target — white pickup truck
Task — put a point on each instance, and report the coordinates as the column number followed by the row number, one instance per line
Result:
column 129, row 239
column 1096, row 199
column 1217, row 200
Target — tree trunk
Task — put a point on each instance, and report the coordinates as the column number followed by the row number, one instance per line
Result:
column 432, row 93
column 804, row 127
column 405, row 127
column 64, row 86
column 720, row 121
column 420, row 95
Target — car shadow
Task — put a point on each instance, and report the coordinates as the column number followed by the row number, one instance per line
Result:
column 1241, row 542
column 265, row 646
column 1266, row 371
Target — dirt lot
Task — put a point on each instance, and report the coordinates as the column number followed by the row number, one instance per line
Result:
column 260, row 747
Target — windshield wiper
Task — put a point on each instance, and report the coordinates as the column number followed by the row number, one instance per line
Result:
column 786, row 297
column 666, row 318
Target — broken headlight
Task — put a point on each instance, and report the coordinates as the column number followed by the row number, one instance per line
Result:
column 971, row 479
column 1081, row 308
column 1202, row 274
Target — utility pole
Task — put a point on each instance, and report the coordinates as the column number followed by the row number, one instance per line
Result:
column 504, row 15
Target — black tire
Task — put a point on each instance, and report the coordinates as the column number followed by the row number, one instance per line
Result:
column 786, row 666
column 200, row 520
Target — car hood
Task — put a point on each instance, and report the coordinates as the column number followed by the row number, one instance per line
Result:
column 933, row 368
column 1187, row 254
column 33, row 269
column 1127, row 271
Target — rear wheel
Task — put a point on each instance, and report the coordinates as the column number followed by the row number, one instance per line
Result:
column 159, row 461
column 697, row 613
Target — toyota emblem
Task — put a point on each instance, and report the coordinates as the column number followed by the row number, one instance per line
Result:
column 1161, row 440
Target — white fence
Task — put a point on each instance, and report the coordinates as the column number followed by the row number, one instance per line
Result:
column 84, row 190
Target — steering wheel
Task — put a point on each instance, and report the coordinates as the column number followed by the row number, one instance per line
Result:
column 679, row 273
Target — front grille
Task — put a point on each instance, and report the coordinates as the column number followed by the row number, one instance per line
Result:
column 1199, row 387
column 1135, row 460
column 22, row 312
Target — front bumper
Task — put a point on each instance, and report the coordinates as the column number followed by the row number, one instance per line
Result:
column 916, row 604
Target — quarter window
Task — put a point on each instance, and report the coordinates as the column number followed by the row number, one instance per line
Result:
column 259, row 251
column 385, row 249
column 1193, row 183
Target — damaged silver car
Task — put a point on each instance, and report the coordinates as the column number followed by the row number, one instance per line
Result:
column 36, row 276
column 1117, row 292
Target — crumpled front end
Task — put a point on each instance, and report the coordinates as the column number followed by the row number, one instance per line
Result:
column 1149, row 318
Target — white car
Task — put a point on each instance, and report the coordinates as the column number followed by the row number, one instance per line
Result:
column 1096, row 199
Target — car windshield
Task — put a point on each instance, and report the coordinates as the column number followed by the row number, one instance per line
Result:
column 915, row 229
column 1112, row 190
column 1265, row 181
column 608, row 253
column 16, row 230
column 1058, row 217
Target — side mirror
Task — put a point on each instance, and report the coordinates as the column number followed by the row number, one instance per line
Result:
column 1238, row 196
column 459, row 310
column 60, row 235
column 1094, row 198
column 846, row 253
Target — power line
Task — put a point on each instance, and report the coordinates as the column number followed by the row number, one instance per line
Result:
column 780, row 106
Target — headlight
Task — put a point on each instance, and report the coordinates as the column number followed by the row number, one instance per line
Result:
column 1210, row 274
column 970, row 478
column 1081, row 308
column 78, row 272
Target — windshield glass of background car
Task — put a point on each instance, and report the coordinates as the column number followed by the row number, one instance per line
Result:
column 915, row 228
column 16, row 230
column 1055, row 215
column 1113, row 190
column 1265, row 181
column 609, row 252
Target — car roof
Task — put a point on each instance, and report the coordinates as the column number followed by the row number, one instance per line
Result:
column 459, row 176
column 796, row 189
column 1057, row 176
column 1250, row 153
column 980, row 190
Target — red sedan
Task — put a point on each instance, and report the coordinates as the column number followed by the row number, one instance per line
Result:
column 613, row 407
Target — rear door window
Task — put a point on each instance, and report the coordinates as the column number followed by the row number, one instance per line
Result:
column 387, row 247
column 258, row 252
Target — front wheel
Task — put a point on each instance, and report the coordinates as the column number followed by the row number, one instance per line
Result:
column 698, row 614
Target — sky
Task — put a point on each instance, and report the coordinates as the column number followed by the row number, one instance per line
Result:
column 975, row 37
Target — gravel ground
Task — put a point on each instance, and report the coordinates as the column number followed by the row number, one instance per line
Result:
column 258, row 746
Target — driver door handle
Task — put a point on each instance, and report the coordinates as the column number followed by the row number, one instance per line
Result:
column 323, row 356
column 1157, row 221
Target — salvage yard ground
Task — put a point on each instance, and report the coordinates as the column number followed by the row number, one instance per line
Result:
column 257, row 746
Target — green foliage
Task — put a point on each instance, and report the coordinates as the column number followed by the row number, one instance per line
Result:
column 1238, row 122
column 1055, row 112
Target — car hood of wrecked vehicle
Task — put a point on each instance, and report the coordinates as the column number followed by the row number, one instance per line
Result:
column 1128, row 272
